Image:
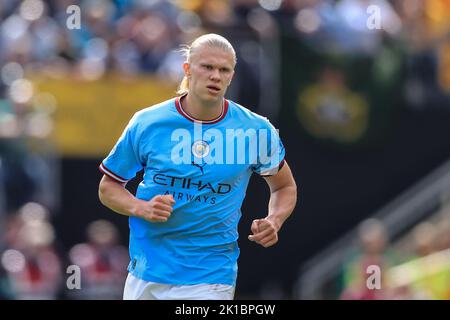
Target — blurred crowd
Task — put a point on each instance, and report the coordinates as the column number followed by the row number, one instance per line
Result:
column 33, row 264
column 132, row 37
column 414, row 267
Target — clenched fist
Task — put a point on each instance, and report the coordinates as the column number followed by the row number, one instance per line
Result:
column 158, row 209
column 265, row 232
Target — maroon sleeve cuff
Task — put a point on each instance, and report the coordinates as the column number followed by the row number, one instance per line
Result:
column 278, row 170
column 111, row 174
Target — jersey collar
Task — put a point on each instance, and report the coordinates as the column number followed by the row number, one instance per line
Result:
column 191, row 118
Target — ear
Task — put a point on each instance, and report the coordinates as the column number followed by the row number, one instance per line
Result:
column 187, row 68
column 231, row 78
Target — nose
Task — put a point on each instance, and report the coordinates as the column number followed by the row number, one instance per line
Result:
column 215, row 75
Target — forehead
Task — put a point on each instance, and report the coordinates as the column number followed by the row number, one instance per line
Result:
column 213, row 55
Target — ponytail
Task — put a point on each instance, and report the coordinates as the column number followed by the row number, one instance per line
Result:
column 184, row 86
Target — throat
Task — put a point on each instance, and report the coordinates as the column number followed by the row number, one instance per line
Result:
column 202, row 111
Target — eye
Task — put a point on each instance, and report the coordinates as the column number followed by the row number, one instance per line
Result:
column 208, row 67
column 224, row 70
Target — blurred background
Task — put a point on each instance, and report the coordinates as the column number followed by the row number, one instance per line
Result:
column 359, row 89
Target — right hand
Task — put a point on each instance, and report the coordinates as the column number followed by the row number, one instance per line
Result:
column 158, row 209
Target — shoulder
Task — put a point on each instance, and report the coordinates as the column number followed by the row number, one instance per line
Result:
column 153, row 114
column 155, row 111
column 247, row 116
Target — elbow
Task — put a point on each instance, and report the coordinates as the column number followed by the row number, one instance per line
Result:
column 295, row 194
column 293, row 190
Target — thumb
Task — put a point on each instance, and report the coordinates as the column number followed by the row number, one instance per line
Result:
column 254, row 228
column 168, row 199
column 156, row 198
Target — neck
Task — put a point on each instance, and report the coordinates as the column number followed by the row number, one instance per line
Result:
column 202, row 110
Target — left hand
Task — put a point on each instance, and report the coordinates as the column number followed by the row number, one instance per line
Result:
column 265, row 232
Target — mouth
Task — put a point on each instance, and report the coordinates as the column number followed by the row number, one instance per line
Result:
column 213, row 89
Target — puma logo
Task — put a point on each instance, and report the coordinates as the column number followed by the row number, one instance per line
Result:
column 199, row 166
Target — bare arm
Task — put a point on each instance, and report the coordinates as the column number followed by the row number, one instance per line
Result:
column 283, row 197
column 115, row 196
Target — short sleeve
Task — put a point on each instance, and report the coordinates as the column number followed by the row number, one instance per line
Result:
column 271, row 151
column 123, row 162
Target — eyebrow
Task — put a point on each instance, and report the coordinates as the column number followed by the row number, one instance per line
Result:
column 205, row 64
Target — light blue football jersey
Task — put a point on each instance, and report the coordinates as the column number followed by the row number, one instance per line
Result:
column 206, row 166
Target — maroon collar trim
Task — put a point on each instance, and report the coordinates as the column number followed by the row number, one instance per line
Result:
column 191, row 118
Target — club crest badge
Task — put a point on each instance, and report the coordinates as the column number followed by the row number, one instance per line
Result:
column 200, row 149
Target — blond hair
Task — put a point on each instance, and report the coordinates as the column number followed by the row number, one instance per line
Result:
column 211, row 40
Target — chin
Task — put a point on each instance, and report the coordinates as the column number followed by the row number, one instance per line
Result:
column 210, row 97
